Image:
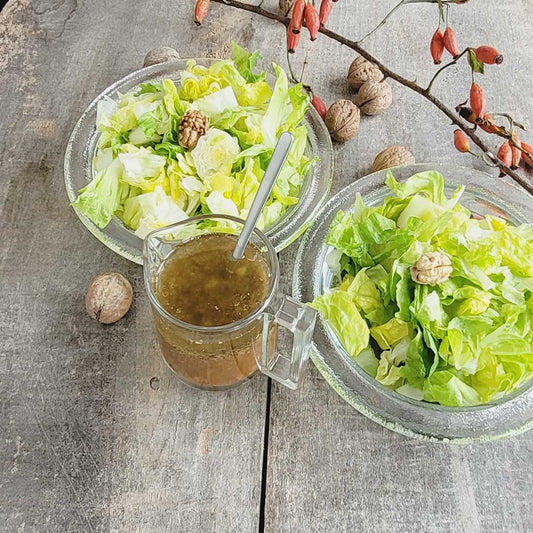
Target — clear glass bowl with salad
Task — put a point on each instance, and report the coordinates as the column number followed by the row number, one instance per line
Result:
column 126, row 172
column 447, row 356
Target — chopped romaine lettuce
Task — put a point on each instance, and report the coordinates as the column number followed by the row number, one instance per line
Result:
column 465, row 341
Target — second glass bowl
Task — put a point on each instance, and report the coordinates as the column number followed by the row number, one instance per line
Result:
column 510, row 415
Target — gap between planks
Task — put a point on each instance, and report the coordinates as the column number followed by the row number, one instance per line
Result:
column 264, row 469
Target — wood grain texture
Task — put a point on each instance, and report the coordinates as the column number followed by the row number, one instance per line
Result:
column 329, row 468
column 87, row 443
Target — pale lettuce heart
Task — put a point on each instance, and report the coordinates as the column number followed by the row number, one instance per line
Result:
column 269, row 215
column 216, row 151
column 220, row 205
column 105, row 109
column 191, row 184
column 103, row 159
column 217, row 102
column 143, row 107
column 142, row 167
column 150, row 211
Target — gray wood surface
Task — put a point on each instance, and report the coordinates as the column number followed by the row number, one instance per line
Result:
column 86, row 443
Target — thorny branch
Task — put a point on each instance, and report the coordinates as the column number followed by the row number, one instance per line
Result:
column 413, row 85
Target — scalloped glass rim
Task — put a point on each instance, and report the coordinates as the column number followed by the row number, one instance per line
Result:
column 510, row 415
column 78, row 168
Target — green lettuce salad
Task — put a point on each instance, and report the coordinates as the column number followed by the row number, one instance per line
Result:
column 143, row 175
column 465, row 340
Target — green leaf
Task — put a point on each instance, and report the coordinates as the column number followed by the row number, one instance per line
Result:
column 101, row 198
column 145, row 88
column 368, row 361
column 275, row 112
column 169, row 149
column 446, row 388
column 341, row 313
column 245, row 62
column 171, row 99
column 475, row 64
column 299, row 103
column 364, row 293
column 391, row 333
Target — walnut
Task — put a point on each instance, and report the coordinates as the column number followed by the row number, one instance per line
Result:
column 109, row 297
column 433, row 268
column 393, row 156
column 193, row 125
column 285, row 7
column 374, row 97
column 160, row 55
column 342, row 120
column 362, row 71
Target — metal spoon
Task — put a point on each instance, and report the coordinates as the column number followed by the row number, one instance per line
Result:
column 281, row 151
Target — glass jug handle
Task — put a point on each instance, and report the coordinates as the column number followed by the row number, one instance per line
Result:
column 293, row 319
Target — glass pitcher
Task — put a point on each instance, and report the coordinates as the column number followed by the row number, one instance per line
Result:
column 221, row 357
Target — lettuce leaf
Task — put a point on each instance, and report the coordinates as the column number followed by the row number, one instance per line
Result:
column 218, row 102
column 143, row 169
column 245, row 63
column 446, row 388
column 342, row 315
column 216, row 151
column 103, row 195
column 147, row 212
column 277, row 108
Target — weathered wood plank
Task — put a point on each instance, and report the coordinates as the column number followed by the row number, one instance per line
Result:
column 329, row 468
column 87, row 444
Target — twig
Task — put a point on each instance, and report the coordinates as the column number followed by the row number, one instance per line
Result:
column 303, row 68
column 292, row 77
column 396, row 7
column 383, row 22
column 451, row 63
column 523, row 182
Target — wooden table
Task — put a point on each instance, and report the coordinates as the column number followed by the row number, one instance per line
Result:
column 89, row 441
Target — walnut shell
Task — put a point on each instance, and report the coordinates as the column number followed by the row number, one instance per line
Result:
column 160, row 55
column 361, row 71
column 432, row 268
column 193, row 125
column 342, row 120
column 285, row 7
column 109, row 297
column 374, row 97
column 393, row 156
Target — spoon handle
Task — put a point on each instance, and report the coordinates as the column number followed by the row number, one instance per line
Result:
column 279, row 156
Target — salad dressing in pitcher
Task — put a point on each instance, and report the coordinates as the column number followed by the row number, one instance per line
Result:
column 201, row 284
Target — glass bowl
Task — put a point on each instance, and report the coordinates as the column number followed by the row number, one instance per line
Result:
column 83, row 143
column 513, row 414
